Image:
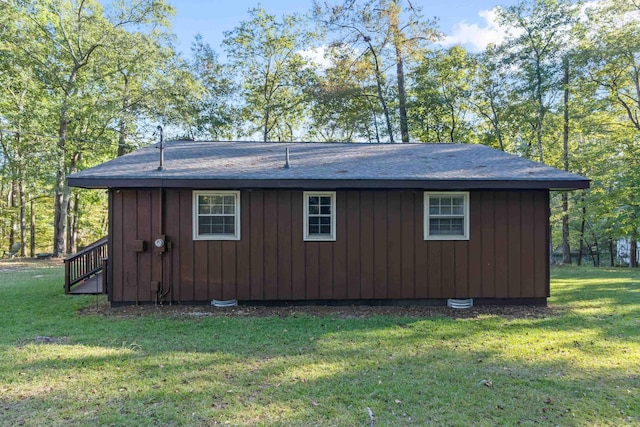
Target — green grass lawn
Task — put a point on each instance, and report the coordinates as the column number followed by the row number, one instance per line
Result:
column 575, row 363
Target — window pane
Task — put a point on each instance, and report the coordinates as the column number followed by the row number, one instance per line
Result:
column 325, row 210
column 314, row 210
column 217, row 224
column 325, row 200
column 314, row 201
column 325, row 220
column 229, row 200
column 446, row 226
column 314, row 220
column 229, row 209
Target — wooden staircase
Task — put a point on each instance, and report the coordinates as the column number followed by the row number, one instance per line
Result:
column 86, row 271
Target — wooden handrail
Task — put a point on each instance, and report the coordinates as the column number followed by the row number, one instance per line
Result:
column 84, row 264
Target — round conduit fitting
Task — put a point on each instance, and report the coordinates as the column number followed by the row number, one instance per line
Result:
column 460, row 303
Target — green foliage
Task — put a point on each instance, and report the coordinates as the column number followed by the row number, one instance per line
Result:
column 265, row 52
column 441, row 89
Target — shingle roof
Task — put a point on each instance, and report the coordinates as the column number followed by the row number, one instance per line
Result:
column 324, row 165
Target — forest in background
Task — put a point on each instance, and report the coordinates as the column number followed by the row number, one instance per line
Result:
column 82, row 82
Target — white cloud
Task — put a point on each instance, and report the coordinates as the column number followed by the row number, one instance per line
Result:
column 317, row 56
column 476, row 37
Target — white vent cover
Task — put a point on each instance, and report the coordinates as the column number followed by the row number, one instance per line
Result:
column 460, row 303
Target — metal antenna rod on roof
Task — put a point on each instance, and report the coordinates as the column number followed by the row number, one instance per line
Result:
column 160, row 146
column 286, row 156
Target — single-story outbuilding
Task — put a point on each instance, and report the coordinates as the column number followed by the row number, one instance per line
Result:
column 327, row 222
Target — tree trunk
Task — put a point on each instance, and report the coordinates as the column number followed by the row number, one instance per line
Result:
column 61, row 204
column 566, row 250
column 32, row 229
column 402, row 94
column 582, row 225
column 23, row 219
column 594, row 251
column 61, row 195
column 383, row 103
column 13, row 205
column 122, row 126
column 72, row 237
column 612, row 253
column 633, row 252
column 265, row 132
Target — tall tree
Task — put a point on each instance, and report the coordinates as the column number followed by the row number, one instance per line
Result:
column 387, row 32
column 441, row 94
column 539, row 34
column 266, row 54
column 343, row 99
column 73, row 43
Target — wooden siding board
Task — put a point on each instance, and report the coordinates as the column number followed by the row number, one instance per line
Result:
column 434, row 269
column 448, row 265
column 340, row 248
column 352, row 235
column 270, row 243
column 284, row 245
column 461, row 257
column 297, row 248
column 408, row 237
column 422, row 260
column 130, row 258
column 527, row 231
column 325, row 270
column 228, row 263
column 312, row 270
column 118, row 247
column 243, row 253
column 366, row 245
column 144, row 231
column 172, row 231
column 475, row 244
column 380, row 243
column 110, row 252
column 488, row 252
column 205, row 269
column 257, row 241
column 515, row 254
column 541, row 243
column 501, row 227
column 394, row 245
column 186, row 282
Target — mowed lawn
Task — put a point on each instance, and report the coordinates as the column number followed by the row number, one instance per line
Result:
column 574, row 363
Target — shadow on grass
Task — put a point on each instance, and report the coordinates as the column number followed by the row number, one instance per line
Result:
column 403, row 385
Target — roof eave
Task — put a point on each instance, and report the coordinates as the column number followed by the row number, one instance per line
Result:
column 444, row 184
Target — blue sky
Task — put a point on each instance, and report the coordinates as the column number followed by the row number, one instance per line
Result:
column 467, row 22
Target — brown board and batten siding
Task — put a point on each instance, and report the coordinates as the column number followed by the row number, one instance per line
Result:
column 379, row 253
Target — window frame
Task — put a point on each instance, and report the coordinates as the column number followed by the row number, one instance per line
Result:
column 427, row 216
column 196, row 214
column 305, row 203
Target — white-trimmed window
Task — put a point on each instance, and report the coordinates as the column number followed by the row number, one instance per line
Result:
column 319, row 215
column 446, row 216
column 216, row 215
